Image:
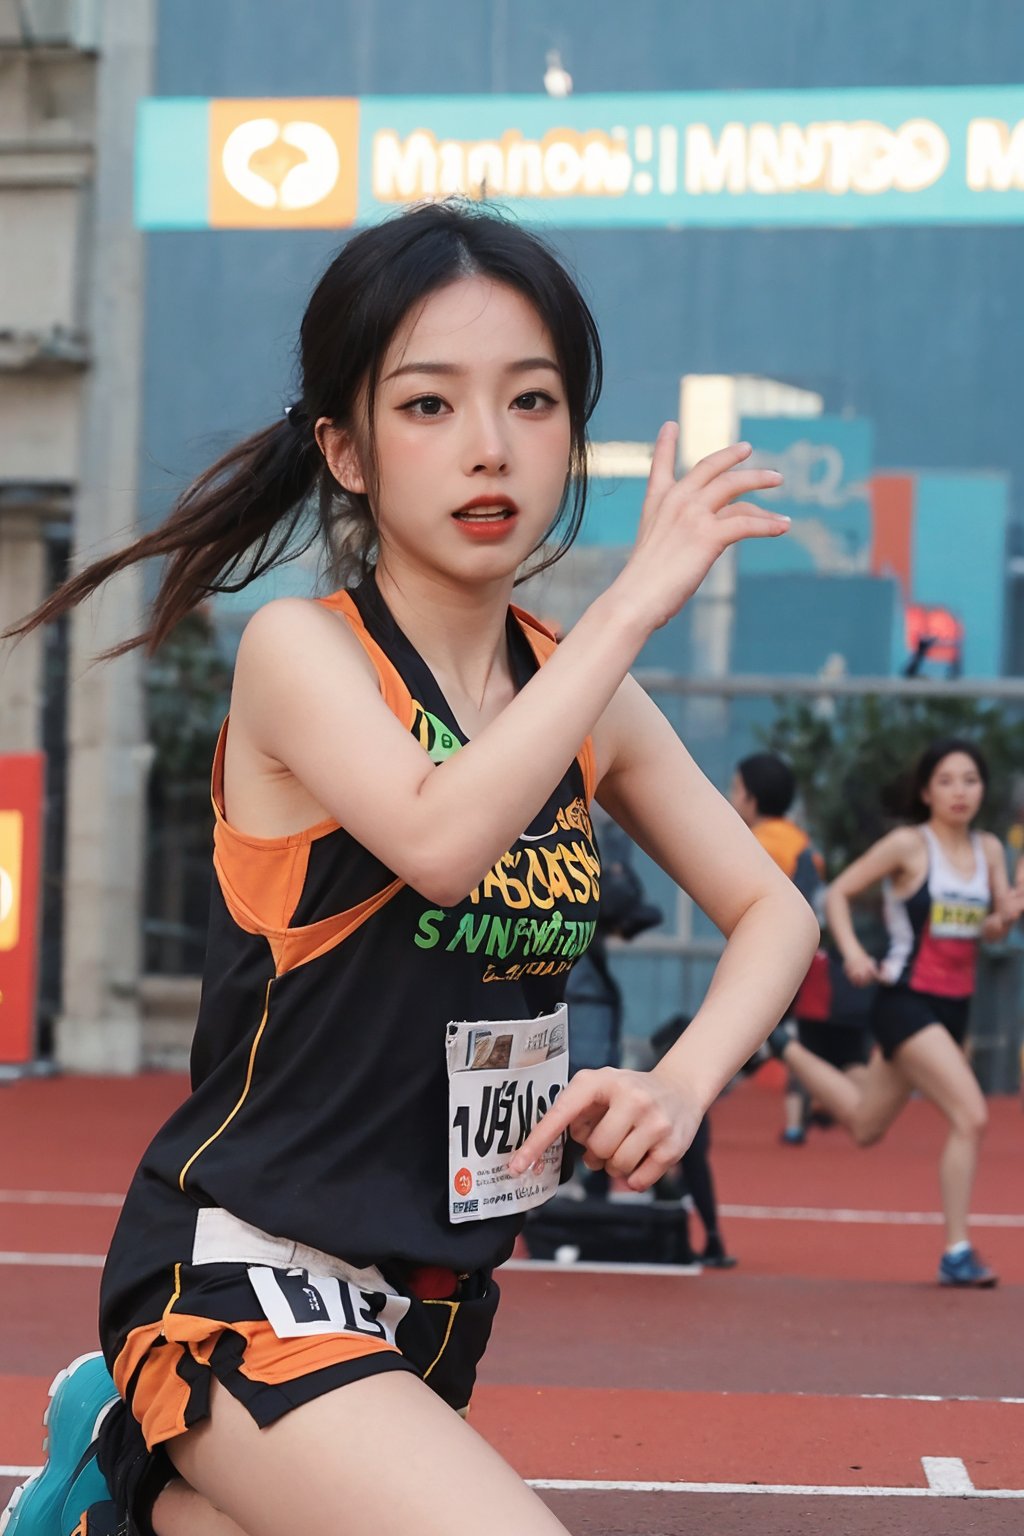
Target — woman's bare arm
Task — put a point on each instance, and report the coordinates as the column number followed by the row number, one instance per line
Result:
column 886, row 858
column 1007, row 901
column 638, row 1124
column 656, row 792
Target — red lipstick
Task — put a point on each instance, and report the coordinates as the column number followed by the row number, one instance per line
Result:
column 487, row 517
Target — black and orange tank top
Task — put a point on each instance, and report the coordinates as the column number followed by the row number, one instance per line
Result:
column 319, row 1102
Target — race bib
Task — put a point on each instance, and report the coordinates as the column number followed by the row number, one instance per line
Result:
column 501, row 1079
column 957, row 919
column 296, row 1303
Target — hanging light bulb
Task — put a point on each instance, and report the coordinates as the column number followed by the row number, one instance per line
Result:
column 557, row 81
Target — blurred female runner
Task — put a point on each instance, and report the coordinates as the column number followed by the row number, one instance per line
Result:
column 300, row 1286
column 945, row 888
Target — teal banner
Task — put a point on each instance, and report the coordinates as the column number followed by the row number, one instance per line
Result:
column 928, row 155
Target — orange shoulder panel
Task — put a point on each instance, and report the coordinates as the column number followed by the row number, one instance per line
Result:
column 543, row 644
column 262, row 878
column 393, row 690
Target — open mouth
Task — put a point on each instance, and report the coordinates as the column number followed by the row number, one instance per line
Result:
column 487, row 517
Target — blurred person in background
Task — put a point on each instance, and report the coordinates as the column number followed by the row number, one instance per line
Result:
column 762, row 791
column 299, row 1289
column 945, row 888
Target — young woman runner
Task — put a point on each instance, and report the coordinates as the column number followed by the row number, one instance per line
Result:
column 945, row 887
column 300, row 1286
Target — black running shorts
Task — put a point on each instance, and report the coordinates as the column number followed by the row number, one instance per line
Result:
column 844, row 1045
column 898, row 1013
column 277, row 1336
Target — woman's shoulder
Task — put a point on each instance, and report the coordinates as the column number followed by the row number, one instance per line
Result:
column 903, row 848
column 906, row 839
column 292, row 637
column 287, row 624
column 991, row 845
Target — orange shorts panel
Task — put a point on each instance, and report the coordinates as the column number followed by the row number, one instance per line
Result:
column 158, row 1357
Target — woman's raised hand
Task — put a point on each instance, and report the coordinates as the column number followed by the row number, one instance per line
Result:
column 686, row 524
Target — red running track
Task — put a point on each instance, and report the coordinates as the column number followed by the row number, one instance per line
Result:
column 805, row 1367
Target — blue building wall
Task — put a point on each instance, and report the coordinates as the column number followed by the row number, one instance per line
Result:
column 918, row 330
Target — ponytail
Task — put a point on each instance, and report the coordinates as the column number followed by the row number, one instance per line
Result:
column 237, row 520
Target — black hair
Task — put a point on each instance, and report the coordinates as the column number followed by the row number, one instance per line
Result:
column 929, row 761
column 249, row 511
column 770, row 781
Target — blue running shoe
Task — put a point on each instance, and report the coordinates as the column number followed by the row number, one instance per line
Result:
column 79, row 1399
column 967, row 1269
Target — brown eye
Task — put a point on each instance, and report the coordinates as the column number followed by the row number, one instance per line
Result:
column 425, row 405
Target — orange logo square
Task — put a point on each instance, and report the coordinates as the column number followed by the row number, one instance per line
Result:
column 284, row 163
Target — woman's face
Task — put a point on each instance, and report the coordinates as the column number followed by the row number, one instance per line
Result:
column 955, row 790
column 472, row 433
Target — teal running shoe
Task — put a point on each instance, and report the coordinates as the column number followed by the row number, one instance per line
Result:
column 71, row 1479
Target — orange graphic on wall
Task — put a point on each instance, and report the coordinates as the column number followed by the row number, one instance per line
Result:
column 21, row 826
column 284, row 163
column 12, row 838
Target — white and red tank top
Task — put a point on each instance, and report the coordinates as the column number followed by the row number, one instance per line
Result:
column 934, row 933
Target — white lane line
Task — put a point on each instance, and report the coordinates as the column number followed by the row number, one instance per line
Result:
column 1014, row 1220
column 893, row 1397
column 947, row 1474
column 793, row 1490
column 925, row 1397
column 866, row 1218
column 58, row 1197
column 593, row 1267
column 55, row 1260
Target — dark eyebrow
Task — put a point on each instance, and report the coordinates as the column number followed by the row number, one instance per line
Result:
column 524, row 365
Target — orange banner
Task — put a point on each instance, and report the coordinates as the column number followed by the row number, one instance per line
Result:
column 21, row 818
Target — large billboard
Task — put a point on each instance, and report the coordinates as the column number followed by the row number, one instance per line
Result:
column 892, row 155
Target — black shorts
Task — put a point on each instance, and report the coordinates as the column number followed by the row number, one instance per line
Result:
column 277, row 1335
column 898, row 1013
column 844, row 1045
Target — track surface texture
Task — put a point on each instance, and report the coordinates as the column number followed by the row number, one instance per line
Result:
column 825, row 1385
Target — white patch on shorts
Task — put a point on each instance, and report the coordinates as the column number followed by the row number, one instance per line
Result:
column 297, row 1303
column 301, row 1290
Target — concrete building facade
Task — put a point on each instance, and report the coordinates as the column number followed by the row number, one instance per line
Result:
column 70, row 363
